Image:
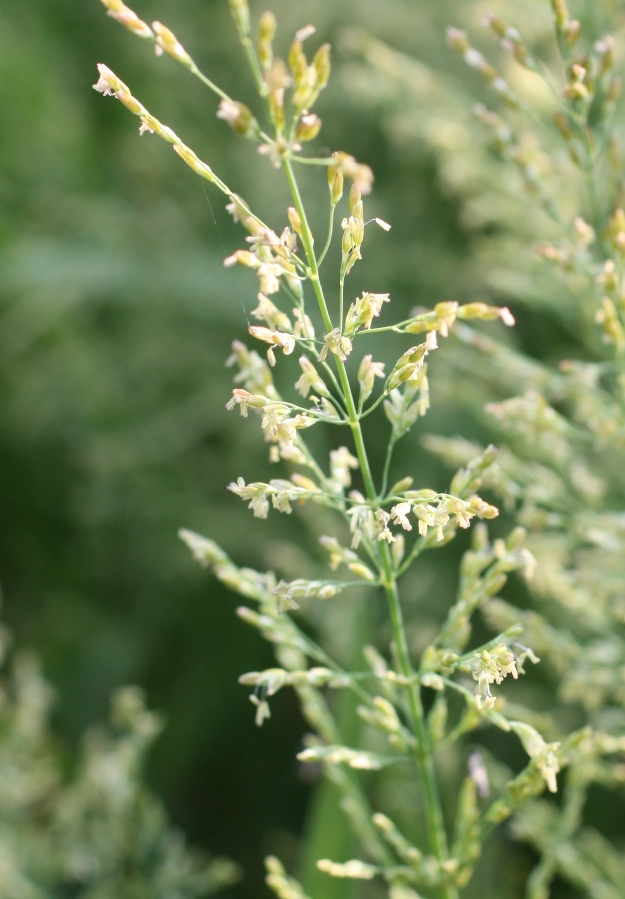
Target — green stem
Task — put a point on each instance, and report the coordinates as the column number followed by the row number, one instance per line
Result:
column 335, row 399
column 330, row 230
column 313, row 160
column 374, row 406
column 221, row 94
column 254, row 64
column 341, row 295
column 307, row 241
column 387, row 464
column 209, row 84
column 423, row 752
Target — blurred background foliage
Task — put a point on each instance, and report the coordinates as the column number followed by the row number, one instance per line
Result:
column 116, row 317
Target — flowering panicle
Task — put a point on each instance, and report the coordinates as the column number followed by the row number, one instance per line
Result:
column 556, row 424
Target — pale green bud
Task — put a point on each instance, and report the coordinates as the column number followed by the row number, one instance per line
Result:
column 572, row 31
column 400, row 486
column 361, row 571
column 335, row 183
column 356, row 228
column 398, row 549
column 321, row 63
column 298, row 63
column 193, row 162
column 361, row 175
column 458, row 40
column 266, row 33
column 608, row 317
column 368, row 370
column 308, row 127
column 467, row 845
column 129, row 19
column 560, row 12
column 294, row 219
column 240, row 118
column 205, row 551
column 355, row 197
column 354, row 869
column 167, row 41
column 407, row 366
column 437, row 719
column 240, row 12
column 516, row 538
column 131, row 103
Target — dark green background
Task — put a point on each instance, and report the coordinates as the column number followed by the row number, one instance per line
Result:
column 116, row 316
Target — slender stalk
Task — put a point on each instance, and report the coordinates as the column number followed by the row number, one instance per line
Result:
column 250, row 52
column 423, row 752
column 332, row 376
column 387, row 464
column 209, row 84
column 329, row 239
column 307, row 241
column 222, row 95
column 341, row 295
column 373, row 407
column 312, row 160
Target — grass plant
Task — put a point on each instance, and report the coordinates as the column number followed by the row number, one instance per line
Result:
column 559, row 473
